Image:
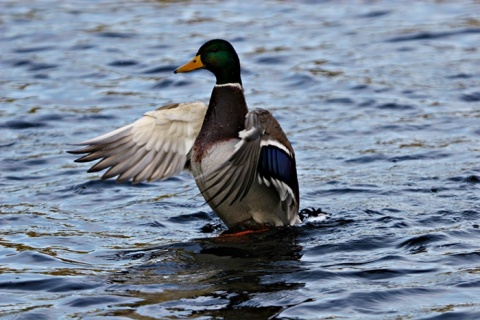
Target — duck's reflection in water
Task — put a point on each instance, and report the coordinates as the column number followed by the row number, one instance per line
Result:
column 227, row 277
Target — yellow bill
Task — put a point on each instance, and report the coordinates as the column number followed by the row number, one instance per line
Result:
column 194, row 64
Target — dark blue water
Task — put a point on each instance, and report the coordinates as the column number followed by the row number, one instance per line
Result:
column 381, row 100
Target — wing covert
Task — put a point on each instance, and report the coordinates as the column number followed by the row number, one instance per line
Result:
column 152, row 148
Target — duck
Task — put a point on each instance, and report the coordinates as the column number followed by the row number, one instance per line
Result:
column 242, row 162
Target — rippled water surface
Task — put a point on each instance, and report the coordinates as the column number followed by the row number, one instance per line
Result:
column 381, row 100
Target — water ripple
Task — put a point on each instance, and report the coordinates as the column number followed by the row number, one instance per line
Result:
column 380, row 104
column 434, row 35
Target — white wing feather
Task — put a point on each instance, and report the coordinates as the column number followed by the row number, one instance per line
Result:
column 152, row 148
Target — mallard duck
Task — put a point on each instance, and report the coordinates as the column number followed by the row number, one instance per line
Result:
column 242, row 162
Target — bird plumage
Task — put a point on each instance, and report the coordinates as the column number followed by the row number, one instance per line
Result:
column 242, row 162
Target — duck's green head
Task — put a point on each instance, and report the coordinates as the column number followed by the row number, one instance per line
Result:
column 219, row 57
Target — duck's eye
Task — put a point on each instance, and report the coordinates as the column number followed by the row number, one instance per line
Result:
column 214, row 49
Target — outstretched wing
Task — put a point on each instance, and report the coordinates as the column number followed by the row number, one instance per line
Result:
column 152, row 148
column 263, row 153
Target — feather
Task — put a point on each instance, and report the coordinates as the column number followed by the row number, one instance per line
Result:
column 153, row 147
